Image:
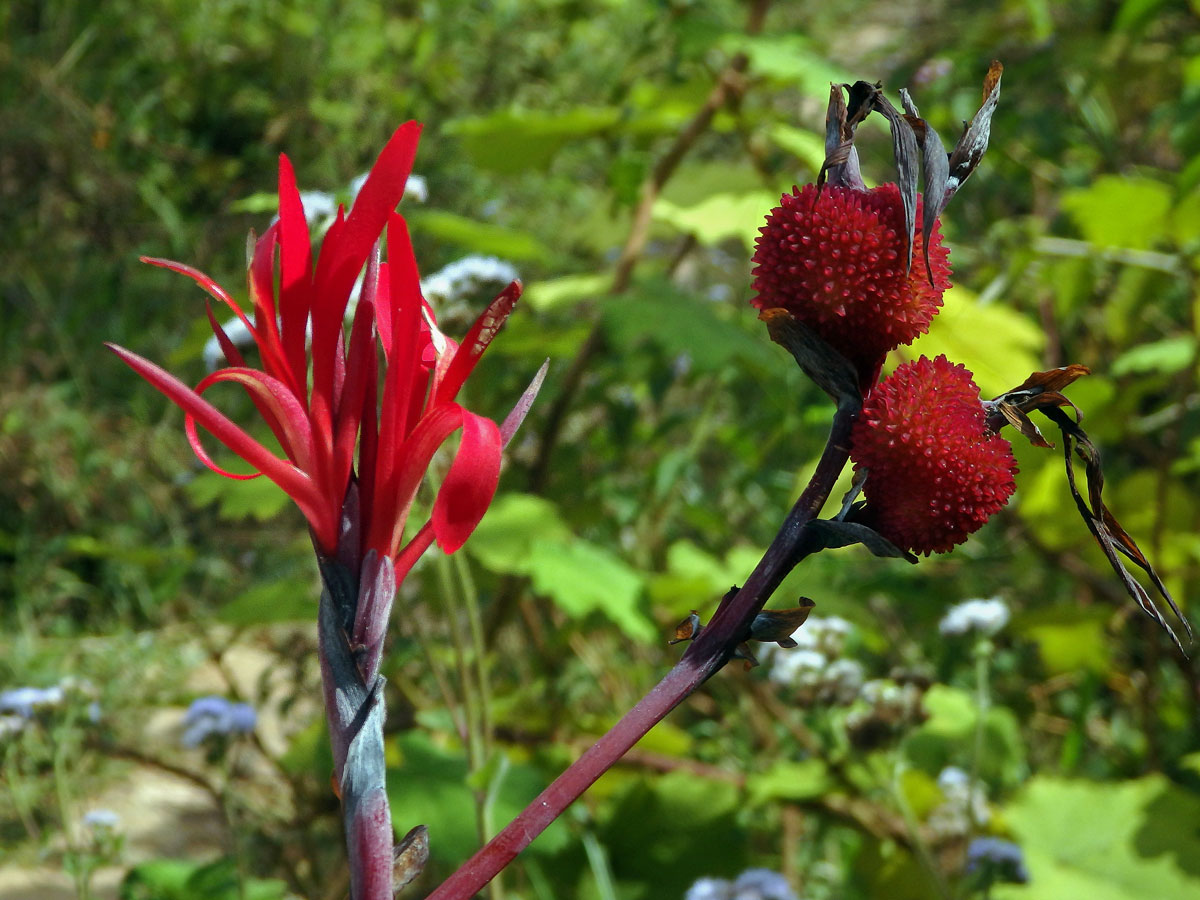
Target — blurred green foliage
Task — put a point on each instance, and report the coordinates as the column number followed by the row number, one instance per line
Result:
column 132, row 128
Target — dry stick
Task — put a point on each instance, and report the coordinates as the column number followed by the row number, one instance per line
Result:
column 707, row 654
column 728, row 85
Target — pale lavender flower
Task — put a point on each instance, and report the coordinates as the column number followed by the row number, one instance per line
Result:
column 216, row 715
column 1003, row 860
column 753, row 884
column 24, row 700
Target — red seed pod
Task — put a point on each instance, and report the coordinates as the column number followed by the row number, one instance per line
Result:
column 837, row 263
column 937, row 474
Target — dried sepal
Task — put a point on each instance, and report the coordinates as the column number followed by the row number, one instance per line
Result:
column 936, row 167
column 834, row 533
column 974, row 141
column 831, row 371
column 1112, row 538
column 409, row 857
column 914, row 142
column 777, row 625
column 1041, row 390
column 687, row 630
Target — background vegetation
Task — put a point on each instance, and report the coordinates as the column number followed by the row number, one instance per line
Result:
column 653, row 470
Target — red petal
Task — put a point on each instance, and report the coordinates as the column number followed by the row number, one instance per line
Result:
column 295, row 283
column 485, row 328
column 283, row 411
column 470, row 484
column 295, row 483
column 343, row 254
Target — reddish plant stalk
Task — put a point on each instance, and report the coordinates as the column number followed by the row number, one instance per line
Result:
column 706, row 655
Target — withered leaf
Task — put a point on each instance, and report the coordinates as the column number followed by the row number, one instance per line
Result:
column 832, row 533
column 974, row 141
column 1114, row 541
column 409, row 857
column 1041, row 390
column 1017, row 418
column 777, row 625
column 935, row 165
column 688, row 629
column 906, row 151
column 841, row 159
column 831, row 371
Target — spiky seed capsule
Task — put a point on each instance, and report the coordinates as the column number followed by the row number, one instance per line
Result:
column 837, row 264
column 936, row 473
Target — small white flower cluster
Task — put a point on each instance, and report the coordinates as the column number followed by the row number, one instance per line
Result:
column 753, row 884
column 964, row 808
column 101, row 819
column 813, row 666
column 460, row 279
column 885, row 707
column 985, row 616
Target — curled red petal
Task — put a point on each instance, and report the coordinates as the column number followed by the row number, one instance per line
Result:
column 295, row 264
column 295, row 483
column 470, row 484
column 281, row 407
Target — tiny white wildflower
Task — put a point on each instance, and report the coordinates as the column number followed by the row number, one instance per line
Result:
column 985, row 616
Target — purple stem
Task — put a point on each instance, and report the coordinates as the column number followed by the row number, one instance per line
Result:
column 707, row 654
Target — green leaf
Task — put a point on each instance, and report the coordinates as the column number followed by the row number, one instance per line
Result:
column 479, row 237
column 720, row 217
column 1069, row 638
column 281, row 600
column 582, row 578
column 949, row 731
column 1107, row 841
column 804, row 780
column 258, row 498
column 172, row 879
column 514, row 524
column 788, row 59
column 524, row 535
column 514, row 140
column 1165, row 357
column 678, row 322
column 1120, row 211
column 807, row 146
column 1000, row 346
column 566, row 291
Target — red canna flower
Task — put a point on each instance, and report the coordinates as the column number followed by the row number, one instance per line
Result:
column 936, row 472
column 836, row 259
column 322, row 400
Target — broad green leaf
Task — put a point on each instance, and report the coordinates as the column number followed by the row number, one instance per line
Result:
column 479, row 237
column 280, row 600
column 1120, row 211
column 804, row 780
column 948, row 734
column 789, row 59
column 258, row 498
column 1165, row 357
column 174, row 879
column 582, row 578
column 1000, row 346
column 514, row 140
column 514, row 524
column 565, row 291
column 720, row 217
column 1126, row 840
column 807, row 146
column 1071, row 646
column 678, row 322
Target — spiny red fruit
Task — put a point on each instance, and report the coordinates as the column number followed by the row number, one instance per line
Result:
column 837, row 264
column 936, row 472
